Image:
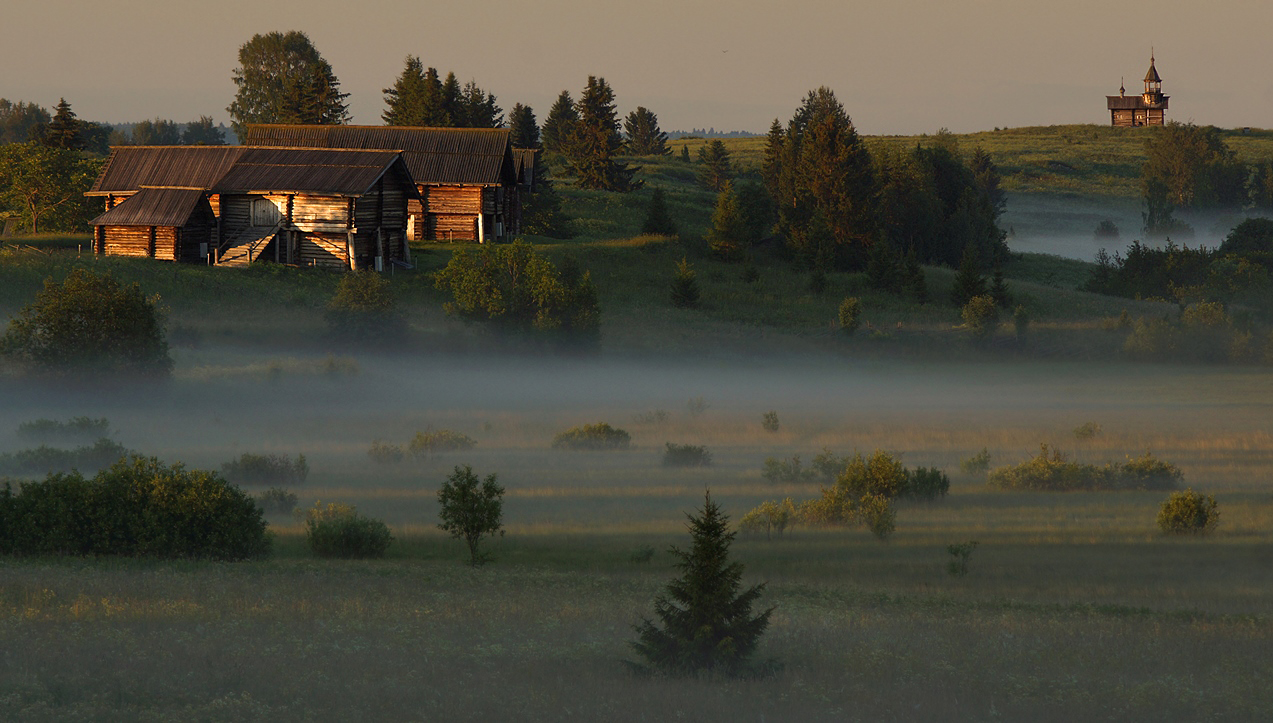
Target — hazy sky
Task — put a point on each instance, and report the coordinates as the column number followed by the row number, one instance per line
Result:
column 903, row 66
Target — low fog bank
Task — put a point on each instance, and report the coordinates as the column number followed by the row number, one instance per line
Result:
column 392, row 396
column 1062, row 226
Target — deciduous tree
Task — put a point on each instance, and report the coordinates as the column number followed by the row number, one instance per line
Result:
column 470, row 510
column 18, row 121
column 159, row 132
column 202, row 132
column 44, row 185
column 282, row 78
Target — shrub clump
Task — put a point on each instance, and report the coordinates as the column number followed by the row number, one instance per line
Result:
column 1188, row 512
column 430, row 442
column 89, row 324
column 266, row 469
column 139, row 507
column 337, row 530
column 979, row 463
column 1050, row 471
column 787, row 471
column 769, row 422
column 981, row 317
column 45, row 459
column 75, row 428
column 600, row 436
column 277, row 501
column 686, row 455
column 769, row 517
column 382, row 453
column 850, row 316
column 364, row 310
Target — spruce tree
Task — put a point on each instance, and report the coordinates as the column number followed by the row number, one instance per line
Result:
column 657, row 219
column 451, row 103
column 883, row 271
column 705, row 621
column 64, row 130
column 559, row 124
column 969, row 283
column 645, row 138
column 726, row 234
column 478, row 108
column 685, row 154
column 685, row 286
column 716, row 170
column 407, row 101
column 594, row 142
column 523, row 130
column 999, row 290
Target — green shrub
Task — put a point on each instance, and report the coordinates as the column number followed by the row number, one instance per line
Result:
column 45, row 459
column 1050, row 471
column 1188, row 512
column 829, row 466
column 686, row 455
column 363, row 309
column 878, row 516
column 89, row 325
column 979, row 463
column 266, row 469
column 786, row 471
column 600, row 436
column 769, row 422
column 337, row 530
column 277, row 501
column 850, row 314
column 382, row 453
column 430, row 442
column 926, row 484
column 137, row 507
column 1088, row 430
column 76, row 428
column 881, row 474
column 769, row 517
column 981, row 317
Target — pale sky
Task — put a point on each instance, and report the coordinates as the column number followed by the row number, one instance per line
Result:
column 899, row 67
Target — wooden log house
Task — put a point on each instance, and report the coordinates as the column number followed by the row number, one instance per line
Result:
column 1146, row 109
column 466, row 177
column 174, row 224
column 303, row 206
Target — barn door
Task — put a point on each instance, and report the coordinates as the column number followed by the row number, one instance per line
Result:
column 264, row 212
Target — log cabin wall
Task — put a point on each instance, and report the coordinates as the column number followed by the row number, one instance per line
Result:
column 451, row 212
column 157, row 242
column 317, row 229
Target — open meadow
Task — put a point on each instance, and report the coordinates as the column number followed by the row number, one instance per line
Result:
column 1075, row 606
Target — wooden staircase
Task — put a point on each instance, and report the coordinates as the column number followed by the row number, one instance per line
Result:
column 246, row 247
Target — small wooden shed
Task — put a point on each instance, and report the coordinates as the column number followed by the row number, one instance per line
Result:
column 174, row 224
column 466, row 177
column 315, row 207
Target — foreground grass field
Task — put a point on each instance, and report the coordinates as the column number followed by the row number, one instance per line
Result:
column 1075, row 607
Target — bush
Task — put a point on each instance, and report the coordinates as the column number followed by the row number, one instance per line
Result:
column 600, row 436
column 89, row 325
column 686, row 455
column 1050, row 471
column 878, row 516
column 788, row 471
column 685, row 294
column 45, row 459
column 364, row 310
column 277, row 501
column 430, row 442
column 76, row 428
column 337, row 530
column 981, row 317
column 514, row 285
column 1088, row 430
column 961, row 552
column 1188, row 513
column 850, row 314
column 382, row 453
column 828, row 465
column 1254, row 235
column 470, row 511
column 979, row 463
column 926, row 484
column 769, row 422
column 1106, row 229
column 137, row 507
column 769, row 517
column 880, row 475
column 264, row 469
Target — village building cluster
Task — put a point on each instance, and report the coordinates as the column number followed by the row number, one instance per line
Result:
column 349, row 197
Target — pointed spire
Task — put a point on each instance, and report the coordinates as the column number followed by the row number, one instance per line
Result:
column 1122, row 91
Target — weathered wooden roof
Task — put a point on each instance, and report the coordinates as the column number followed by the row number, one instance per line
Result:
column 1132, row 102
column 1152, row 75
column 131, row 167
column 435, row 156
column 325, row 171
column 154, row 207
column 524, row 162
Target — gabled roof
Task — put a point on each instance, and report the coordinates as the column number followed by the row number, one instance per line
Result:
column 131, row 167
column 340, row 172
column 1132, row 102
column 442, row 156
column 524, row 162
column 154, row 207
